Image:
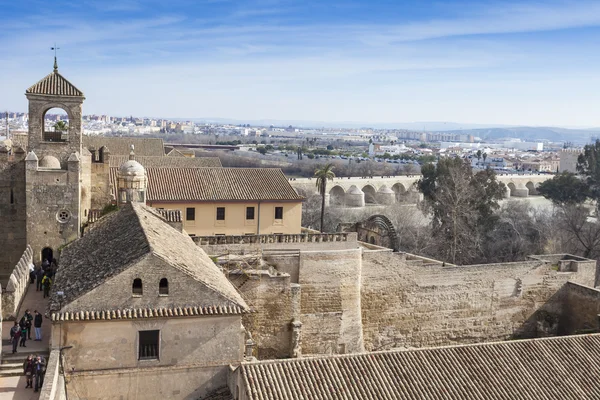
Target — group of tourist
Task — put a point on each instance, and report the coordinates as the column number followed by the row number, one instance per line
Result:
column 21, row 331
column 34, row 369
column 42, row 276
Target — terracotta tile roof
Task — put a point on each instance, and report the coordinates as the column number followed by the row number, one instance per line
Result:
column 215, row 184
column 557, row 368
column 122, row 145
column 137, row 313
column 119, row 240
column 167, row 162
column 54, row 84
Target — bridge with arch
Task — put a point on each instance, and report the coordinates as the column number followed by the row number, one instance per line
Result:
column 386, row 190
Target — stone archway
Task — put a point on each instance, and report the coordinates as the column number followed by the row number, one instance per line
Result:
column 400, row 192
column 381, row 229
column 370, row 194
column 511, row 186
column 531, row 188
column 337, row 196
column 47, row 254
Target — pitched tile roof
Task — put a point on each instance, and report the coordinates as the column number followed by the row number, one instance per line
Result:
column 139, row 313
column 167, row 162
column 54, row 84
column 119, row 240
column 557, row 368
column 215, row 184
column 122, row 145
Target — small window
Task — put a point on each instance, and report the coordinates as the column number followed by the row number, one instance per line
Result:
column 12, row 196
column 163, row 286
column 249, row 212
column 278, row 212
column 190, row 214
column 220, row 213
column 137, row 288
column 149, row 345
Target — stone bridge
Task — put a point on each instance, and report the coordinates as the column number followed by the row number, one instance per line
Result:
column 358, row 191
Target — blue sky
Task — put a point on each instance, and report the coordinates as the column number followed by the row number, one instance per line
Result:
column 385, row 61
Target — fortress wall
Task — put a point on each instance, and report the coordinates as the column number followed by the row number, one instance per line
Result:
column 422, row 305
column 330, row 301
column 270, row 298
column 13, row 216
column 583, row 305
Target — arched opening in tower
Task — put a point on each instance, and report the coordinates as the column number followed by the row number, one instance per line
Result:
column 55, row 125
column 47, row 254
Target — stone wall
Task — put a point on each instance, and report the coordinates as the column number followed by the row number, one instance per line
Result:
column 54, row 381
column 13, row 214
column 581, row 310
column 412, row 304
column 101, row 192
column 194, row 356
column 330, row 301
column 271, row 298
column 18, row 282
column 50, row 192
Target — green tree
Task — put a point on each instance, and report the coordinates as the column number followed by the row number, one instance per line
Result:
column 323, row 175
column 564, row 188
column 478, row 155
column 262, row 150
column 61, row 126
column 462, row 206
column 588, row 165
column 484, row 156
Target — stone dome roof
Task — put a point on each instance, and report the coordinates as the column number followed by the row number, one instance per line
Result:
column 354, row 190
column 132, row 168
column 49, row 162
column 385, row 189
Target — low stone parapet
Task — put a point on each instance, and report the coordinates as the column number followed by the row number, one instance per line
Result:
column 15, row 290
column 54, row 380
column 302, row 241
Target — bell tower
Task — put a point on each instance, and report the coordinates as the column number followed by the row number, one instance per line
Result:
column 55, row 170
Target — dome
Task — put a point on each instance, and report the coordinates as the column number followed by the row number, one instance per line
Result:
column 132, row 168
column 385, row 189
column 354, row 190
column 49, row 162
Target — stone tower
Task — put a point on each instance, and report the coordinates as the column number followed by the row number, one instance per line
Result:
column 132, row 181
column 57, row 175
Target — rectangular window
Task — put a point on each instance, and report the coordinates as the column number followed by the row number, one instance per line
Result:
column 249, row 212
column 190, row 214
column 220, row 213
column 278, row 212
column 149, row 345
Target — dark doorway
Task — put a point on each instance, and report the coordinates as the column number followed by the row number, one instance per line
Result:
column 47, row 254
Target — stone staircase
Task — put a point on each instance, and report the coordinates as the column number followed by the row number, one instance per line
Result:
column 12, row 364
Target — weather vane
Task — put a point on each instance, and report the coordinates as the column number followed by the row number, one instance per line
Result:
column 55, row 63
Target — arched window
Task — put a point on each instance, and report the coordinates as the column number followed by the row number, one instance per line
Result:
column 55, row 125
column 137, row 287
column 163, row 286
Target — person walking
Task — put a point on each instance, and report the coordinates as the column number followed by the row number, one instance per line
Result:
column 39, row 275
column 31, row 273
column 39, row 367
column 46, row 283
column 37, row 325
column 15, row 335
column 28, row 371
column 23, row 327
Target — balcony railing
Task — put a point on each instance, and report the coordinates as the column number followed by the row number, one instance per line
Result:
column 267, row 239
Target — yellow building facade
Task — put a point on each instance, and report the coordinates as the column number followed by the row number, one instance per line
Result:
column 237, row 218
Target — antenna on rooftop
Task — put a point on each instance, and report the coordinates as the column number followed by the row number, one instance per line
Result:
column 55, row 63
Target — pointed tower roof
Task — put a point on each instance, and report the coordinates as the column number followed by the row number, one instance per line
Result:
column 54, row 84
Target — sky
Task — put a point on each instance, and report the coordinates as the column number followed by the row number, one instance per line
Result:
column 374, row 61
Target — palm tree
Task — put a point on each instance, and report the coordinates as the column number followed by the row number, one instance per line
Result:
column 484, row 155
column 323, row 175
column 478, row 155
column 60, row 126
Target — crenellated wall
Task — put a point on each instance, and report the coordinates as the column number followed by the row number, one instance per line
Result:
column 18, row 282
